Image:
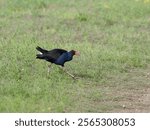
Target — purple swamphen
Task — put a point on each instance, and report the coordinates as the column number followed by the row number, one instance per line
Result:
column 56, row 56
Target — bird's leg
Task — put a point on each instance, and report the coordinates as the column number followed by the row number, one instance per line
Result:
column 49, row 66
column 67, row 72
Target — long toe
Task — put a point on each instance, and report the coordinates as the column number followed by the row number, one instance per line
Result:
column 49, row 68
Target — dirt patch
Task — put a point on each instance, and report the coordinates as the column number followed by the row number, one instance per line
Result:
column 145, row 101
column 135, row 92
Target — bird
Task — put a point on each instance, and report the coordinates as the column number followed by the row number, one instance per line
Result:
column 56, row 56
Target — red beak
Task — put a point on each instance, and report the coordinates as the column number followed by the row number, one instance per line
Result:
column 77, row 53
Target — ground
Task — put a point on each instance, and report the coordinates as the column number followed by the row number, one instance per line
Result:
column 145, row 101
column 113, row 70
column 124, row 94
column 137, row 99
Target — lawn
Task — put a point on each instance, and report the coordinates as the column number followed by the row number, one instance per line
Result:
column 113, row 37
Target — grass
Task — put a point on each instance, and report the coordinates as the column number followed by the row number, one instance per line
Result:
column 112, row 37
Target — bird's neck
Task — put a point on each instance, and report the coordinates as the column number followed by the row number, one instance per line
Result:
column 70, row 55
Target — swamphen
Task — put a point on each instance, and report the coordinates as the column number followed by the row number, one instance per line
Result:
column 56, row 56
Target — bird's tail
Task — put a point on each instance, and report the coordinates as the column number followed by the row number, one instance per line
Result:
column 39, row 56
column 41, row 50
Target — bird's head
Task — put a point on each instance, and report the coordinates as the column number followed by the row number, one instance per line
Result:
column 77, row 53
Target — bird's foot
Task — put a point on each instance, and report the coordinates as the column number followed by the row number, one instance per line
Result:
column 49, row 68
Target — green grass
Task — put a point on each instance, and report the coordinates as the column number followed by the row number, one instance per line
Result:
column 112, row 36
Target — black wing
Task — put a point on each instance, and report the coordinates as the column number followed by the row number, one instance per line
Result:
column 55, row 53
